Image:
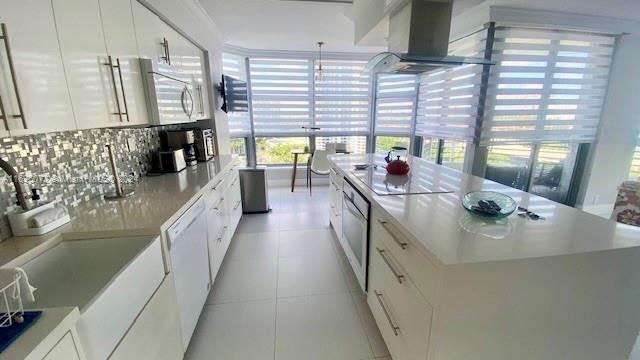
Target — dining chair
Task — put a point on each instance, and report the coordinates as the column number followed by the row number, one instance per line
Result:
column 319, row 165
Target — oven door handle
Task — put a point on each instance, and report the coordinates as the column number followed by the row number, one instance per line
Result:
column 352, row 207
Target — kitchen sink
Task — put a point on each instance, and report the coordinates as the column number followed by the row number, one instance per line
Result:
column 109, row 280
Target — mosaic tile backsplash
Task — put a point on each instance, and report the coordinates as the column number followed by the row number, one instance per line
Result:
column 73, row 166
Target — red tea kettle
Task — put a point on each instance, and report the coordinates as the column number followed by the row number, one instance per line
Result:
column 396, row 166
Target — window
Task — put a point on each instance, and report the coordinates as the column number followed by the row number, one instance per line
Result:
column 239, row 122
column 355, row 144
column 547, row 85
column 449, row 99
column 634, row 173
column 509, row 165
column 395, row 98
column 281, row 95
column 453, row 153
column 239, row 147
column 385, row 143
column 277, row 150
column 342, row 98
column 430, row 149
column 553, row 171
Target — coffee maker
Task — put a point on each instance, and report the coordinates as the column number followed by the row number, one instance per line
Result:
column 185, row 140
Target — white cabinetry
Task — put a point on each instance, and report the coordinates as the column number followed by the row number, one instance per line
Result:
column 335, row 197
column 224, row 206
column 148, row 34
column 402, row 314
column 39, row 74
column 155, row 334
column 117, row 22
column 65, row 349
column 92, row 81
column 197, row 69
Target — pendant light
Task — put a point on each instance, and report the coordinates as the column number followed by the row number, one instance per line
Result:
column 319, row 72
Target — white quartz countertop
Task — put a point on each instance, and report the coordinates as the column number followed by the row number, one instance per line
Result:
column 158, row 200
column 52, row 324
column 450, row 234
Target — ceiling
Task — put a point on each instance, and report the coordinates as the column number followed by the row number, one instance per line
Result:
column 298, row 25
column 285, row 25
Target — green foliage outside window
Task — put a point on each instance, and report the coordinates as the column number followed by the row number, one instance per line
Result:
column 278, row 150
column 385, row 143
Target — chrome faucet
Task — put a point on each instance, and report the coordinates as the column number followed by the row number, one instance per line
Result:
column 11, row 171
column 120, row 192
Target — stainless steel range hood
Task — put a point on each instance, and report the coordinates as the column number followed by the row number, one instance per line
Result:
column 419, row 40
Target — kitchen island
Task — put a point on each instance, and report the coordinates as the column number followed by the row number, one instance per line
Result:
column 445, row 284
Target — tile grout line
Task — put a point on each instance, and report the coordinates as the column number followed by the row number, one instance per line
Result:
column 351, row 296
column 275, row 317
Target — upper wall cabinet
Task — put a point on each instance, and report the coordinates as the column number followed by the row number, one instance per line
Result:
column 172, row 52
column 34, row 94
column 149, row 34
column 119, row 31
column 92, row 81
column 198, row 73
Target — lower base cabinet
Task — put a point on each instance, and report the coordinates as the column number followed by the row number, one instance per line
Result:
column 155, row 334
column 65, row 349
column 402, row 314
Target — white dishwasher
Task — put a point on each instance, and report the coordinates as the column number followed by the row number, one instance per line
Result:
column 187, row 243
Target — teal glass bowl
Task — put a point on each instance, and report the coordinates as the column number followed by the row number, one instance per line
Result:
column 506, row 203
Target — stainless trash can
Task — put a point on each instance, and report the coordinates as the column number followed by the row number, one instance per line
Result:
column 255, row 193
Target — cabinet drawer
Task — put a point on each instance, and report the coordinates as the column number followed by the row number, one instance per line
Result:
column 419, row 268
column 402, row 314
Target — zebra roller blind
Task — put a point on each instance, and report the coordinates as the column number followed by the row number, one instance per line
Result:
column 239, row 122
column 449, row 99
column 395, row 98
column 342, row 98
column 547, row 85
column 281, row 95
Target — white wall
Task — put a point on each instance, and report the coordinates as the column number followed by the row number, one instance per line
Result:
column 194, row 22
column 620, row 124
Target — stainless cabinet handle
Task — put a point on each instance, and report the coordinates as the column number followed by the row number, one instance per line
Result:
column 124, row 96
column 7, row 46
column 394, row 327
column 397, row 274
column 200, row 99
column 109, row 63
column 215, row 187
column 224, row 230
column 165, row 45
column 219, row 204
column 400, row 243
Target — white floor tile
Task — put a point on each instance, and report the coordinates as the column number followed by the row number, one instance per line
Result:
column 304, row 220
column 242, row 280
column 257, row 223
column 369, row 324
column 319, row 327
column 233, row 331
column 260, row 246
column 309, row 275
column 305, row 242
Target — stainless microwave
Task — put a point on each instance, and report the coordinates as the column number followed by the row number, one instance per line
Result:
column 169, row 93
